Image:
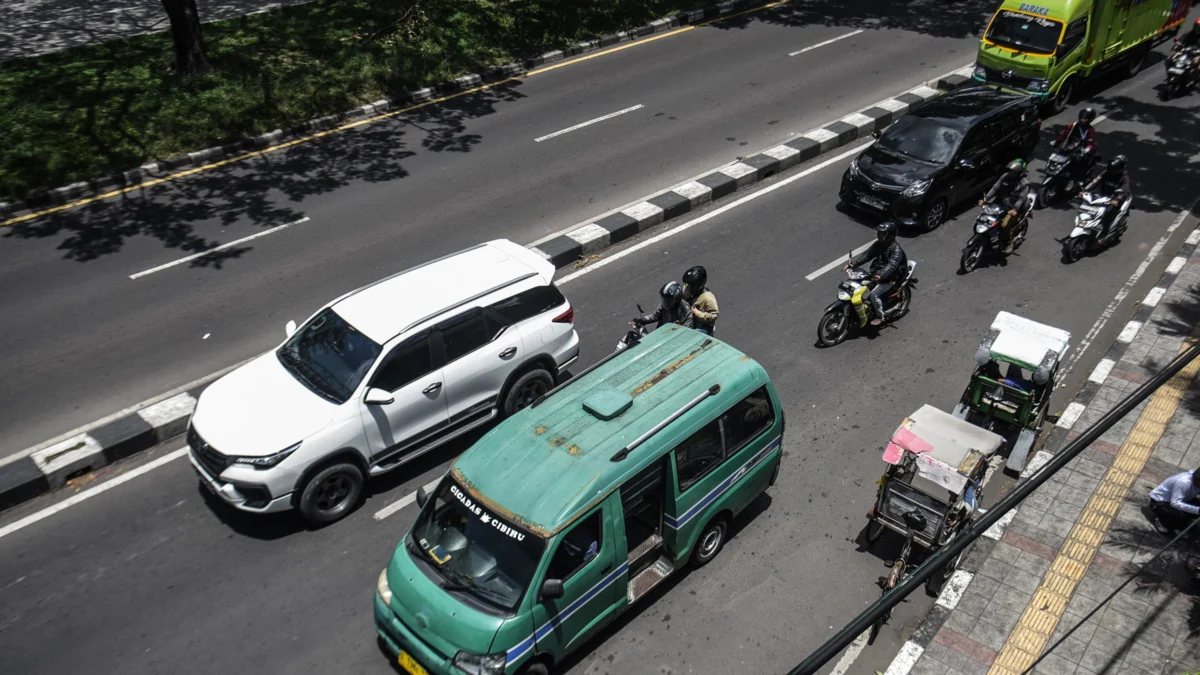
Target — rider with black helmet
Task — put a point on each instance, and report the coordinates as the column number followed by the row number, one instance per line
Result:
column 1011, row 191
column 671, row 308
column 1114, row 183
column 702, row 300
column 887, row 262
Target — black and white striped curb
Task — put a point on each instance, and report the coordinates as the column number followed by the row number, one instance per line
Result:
column 621, row 224
column 165, row 167
column 1061, row 434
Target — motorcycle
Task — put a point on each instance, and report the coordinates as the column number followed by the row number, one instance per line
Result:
column 988, row 235
column 1061, row 170
column 1089, row 221
column 638, row 332
column 852, row 310
column 1181, row 73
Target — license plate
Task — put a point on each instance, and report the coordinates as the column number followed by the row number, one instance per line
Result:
column 871, row 201
column 410, row 665
column 1058, row 158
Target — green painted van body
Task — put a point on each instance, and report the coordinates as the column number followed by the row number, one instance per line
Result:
column 560, row 468
column 1037, row 46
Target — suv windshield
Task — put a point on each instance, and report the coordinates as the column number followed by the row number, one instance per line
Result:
column 474, row 550
column 1024, row 32
column 329, row 356
column 922, row 139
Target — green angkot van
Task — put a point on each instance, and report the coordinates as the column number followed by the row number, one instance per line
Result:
column 573, row 509
column 1047, row 47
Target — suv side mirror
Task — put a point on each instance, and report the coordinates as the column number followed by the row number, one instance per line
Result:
column 876, row 134
column 552, row 589
column 290, row 328
column 376, row 396
column 421, row 497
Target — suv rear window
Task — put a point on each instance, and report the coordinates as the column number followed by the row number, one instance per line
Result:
column 528, row 304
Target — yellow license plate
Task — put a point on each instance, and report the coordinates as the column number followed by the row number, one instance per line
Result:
column 409, row 664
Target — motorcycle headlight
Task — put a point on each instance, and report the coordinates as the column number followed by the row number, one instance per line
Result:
column 980, row 73
column 843, row 296
column 1041, row 86
column 268, row 461
column 917, row 189
column 982, row 228
column 492, row 664
column 382, row 589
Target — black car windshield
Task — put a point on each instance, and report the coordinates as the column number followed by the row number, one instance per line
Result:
column 1024, row 32
column 474, row 550
column 329, row 356
column 921, row 138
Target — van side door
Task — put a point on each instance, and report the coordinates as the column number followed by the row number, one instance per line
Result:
column 587, row 559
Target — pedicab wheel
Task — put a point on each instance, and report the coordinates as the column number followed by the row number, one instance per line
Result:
column 970, row 257
column 934, row 215
column 874, row 531
column 834, row 328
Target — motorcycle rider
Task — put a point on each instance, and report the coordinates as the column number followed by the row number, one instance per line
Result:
column 887, row 261
column 1083, row 131
column 702, row 300
column 1112, row 183
column 1011, row 191
column 1190, row 41
column 671, row 308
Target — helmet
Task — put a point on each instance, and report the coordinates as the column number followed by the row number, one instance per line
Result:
column 696, row 277
column 1015, row 167
column 1086, row 116
column 671, row 293
column 1116, row 165
column 886, row 231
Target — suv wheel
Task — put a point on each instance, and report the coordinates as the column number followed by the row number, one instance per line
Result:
column 331, row 493
column 525, row 390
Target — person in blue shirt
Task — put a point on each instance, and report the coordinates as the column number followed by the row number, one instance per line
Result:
column 1174, row 503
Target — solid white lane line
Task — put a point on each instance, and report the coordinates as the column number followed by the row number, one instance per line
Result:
column 403, row 501
column 222, row 247
column 88, row 494
column 822, row 44
column 587, row 123
column 711, row 214
column 839, row 262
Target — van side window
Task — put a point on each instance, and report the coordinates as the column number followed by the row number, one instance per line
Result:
column 723, row 437
column 578, row 547
column 528, row 304
column 1073, row 36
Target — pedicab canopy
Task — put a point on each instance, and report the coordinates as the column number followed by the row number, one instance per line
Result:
column 947, row 450
column 1028, row 344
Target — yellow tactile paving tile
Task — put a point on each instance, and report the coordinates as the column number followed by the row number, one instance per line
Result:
column 1046, row 607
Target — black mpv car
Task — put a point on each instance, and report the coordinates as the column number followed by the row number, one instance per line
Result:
column 945, row 152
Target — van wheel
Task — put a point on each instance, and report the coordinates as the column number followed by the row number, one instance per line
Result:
column 526, row 390
column 711, row 541
column 534, row 667
column 331, row 493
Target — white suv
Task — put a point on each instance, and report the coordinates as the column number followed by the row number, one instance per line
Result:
column 383, row 375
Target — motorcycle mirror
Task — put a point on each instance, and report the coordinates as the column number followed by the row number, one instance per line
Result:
column 640, row 309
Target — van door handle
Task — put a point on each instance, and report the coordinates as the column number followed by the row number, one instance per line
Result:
column 607, row 569
column 432, row 388
column 508, row 353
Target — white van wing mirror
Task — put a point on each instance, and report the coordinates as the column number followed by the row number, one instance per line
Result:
column 376, row 396
column 290, row 328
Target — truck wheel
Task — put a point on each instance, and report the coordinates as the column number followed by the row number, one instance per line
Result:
column 1136, row 62
column 1062, row 99
column 331, row 493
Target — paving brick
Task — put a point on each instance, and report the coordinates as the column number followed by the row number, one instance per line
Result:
column 990, row 637
column 971, row 648
column 1029, row 544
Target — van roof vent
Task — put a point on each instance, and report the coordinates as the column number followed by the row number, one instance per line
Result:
column 607, row 404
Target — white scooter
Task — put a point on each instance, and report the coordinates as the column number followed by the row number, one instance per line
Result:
column 1089, row 221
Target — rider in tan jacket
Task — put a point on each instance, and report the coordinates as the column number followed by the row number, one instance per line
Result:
column 704, row 303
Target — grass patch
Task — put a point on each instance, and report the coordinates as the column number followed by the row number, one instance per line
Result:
column 99, row 109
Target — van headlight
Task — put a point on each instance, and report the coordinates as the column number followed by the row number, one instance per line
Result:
column 980, row 73
column 491, row 664
column 268, row 461
column 382, row 589
column 1040, row 86
column 917, row 189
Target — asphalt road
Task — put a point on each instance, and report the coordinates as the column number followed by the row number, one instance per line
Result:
column 84, row 340
column 149, row 577
column 33, row 27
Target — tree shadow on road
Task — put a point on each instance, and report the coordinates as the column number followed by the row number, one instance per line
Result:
column 935, row 18
column 190, row 213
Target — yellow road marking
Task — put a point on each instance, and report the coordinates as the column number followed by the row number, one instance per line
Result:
column 1046, row 607
column 357, row 123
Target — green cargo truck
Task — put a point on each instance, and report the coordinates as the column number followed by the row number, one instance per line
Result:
column 1047, row 47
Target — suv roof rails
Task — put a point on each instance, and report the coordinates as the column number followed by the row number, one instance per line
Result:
column 467, row 301
column 538, row 401
column 412, row 269
column 624, row 452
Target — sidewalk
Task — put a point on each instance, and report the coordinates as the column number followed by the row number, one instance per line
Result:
column 1073, row 541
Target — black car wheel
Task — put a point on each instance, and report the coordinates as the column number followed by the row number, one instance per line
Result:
column 934, row 216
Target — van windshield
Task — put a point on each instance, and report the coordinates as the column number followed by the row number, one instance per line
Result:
column 1024, row 32
column 475, row 551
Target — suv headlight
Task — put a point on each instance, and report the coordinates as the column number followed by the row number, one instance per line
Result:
column 854, row 168
column 1040, row 86
column 382, row 589
column 268, row 461
column 492, row 664
column 917, row 189
column 980, row 73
